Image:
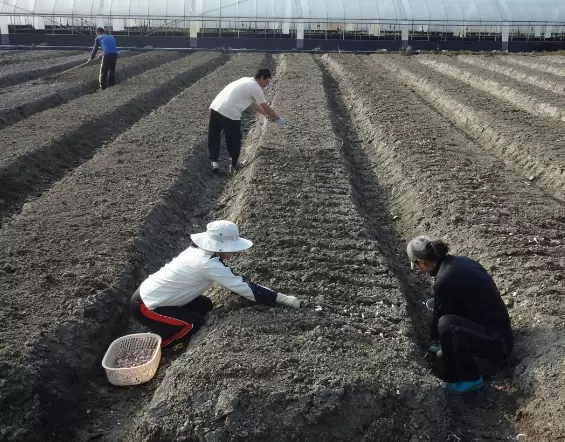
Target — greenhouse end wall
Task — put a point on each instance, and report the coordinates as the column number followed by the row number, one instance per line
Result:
column 283, row 44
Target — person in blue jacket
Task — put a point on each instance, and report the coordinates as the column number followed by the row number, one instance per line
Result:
column 470, row 318
column 109, row 57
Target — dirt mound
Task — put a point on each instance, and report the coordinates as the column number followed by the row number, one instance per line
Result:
column 18, row 73
column 22, row 101
column 377, row 149
column 13, row 57
column 341, row 368
column 105, row 229
column 448, row 186
column 32, row 161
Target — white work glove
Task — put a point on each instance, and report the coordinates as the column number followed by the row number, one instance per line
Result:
column 289, row 301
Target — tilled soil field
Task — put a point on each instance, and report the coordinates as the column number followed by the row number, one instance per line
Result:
column 13, row 57
column 33, row 160
column 20, row 72
column 23, row 100
column 100, row 191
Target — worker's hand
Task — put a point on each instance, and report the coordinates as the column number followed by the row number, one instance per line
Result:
column 281, row 121
column 434, row 348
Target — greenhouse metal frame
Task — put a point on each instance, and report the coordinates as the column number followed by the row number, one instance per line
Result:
column 293, row 22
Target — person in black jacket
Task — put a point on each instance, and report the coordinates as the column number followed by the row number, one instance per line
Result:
column 469, row 318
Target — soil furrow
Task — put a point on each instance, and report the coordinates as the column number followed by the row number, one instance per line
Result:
column 328, row 374
column 24, row 100
column 89, row 240
column 115, row 425
column 31, row 162
column 27, row 56
column 22, row 72
column 528, row 75
column 533, row 100
column 536, row 64
column 475, row 195
column 529, row 143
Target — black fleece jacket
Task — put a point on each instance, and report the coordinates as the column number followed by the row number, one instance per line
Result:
column 464, row 288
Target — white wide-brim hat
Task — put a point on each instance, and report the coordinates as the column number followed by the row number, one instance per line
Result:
column 221, row 236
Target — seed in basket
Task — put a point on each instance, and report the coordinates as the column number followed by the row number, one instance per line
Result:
column 134, row 359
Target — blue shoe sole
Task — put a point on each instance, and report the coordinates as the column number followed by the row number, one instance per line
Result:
column 469, row 390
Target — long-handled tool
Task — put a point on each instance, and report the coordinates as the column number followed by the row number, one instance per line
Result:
column 51, row 77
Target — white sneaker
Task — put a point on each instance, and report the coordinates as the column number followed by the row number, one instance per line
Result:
column 238, row 166
column 289, row 301
column 215, row 166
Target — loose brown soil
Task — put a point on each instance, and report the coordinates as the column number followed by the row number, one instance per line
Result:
column 528, row 142
column 20, row 72
column 23, row 100
column 377, row 149
column 32, row 160
column 14, row 57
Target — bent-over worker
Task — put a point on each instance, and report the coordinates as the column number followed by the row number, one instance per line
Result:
column 225, row 114
column 170, row 301
column 109, row 57
column 469, row 318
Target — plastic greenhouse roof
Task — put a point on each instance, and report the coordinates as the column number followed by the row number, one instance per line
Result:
column 551, row 11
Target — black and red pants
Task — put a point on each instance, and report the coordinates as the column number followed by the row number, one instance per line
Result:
column 172, row 323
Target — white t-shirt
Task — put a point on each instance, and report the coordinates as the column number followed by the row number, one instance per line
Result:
column 238, row 96
column 187, row 276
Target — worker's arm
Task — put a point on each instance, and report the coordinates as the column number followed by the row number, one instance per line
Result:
column 444, row 294
column 257, row 108
column 95, row 49
column 270, row 112
column 215, row 270
column 259, row 98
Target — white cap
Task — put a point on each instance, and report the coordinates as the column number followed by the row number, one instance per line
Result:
column 418, row 248
column 221, row 236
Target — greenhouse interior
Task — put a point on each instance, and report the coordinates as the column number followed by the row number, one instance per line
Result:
column 349, row 25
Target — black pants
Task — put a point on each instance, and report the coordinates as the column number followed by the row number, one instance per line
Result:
column 232, row 132
column 108, row 70
column 462, row 339
column 171, row 323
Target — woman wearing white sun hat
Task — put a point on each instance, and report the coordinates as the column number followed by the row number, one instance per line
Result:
column 170, row 301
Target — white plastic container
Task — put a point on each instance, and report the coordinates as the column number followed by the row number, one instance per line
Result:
column 127, row 345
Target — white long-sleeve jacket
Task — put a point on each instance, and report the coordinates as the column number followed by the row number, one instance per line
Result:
column 187, row 276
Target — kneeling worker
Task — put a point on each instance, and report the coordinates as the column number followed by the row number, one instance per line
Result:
column 469, row 318
column 225, row 115
column 170, row 301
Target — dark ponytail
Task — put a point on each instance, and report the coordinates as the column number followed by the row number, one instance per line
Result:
column 436, row 250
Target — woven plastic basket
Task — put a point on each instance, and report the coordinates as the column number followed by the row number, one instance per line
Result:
column 129, row 346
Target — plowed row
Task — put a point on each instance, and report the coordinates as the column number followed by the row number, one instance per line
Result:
column 24, row 100
column 20, row 72
column 309, row 375
column 13, row 57
column 32, row 161
column 97, row 191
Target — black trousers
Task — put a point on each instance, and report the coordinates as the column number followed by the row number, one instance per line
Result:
column 171, row 323
column 108, row 70
column 232, row 132
column 462, row 339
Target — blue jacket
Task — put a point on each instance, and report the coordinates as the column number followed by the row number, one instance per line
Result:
column 108, row 44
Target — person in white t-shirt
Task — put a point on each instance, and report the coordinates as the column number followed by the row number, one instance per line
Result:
column 170, row 302
column 225, row 114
